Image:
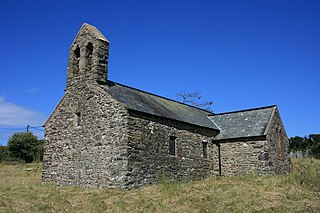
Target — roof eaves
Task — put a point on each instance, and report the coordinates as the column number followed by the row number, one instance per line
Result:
column 198, row 125
column 242, row 139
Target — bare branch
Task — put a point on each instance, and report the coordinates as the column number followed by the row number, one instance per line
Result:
column 194, row 99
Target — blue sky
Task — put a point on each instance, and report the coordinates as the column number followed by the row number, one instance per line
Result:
column 239, row 54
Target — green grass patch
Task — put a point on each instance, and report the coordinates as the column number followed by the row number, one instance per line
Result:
column 21, row 190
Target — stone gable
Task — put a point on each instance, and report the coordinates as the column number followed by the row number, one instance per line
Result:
column 92, row 152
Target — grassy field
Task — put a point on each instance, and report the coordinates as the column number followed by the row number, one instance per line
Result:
column 21, row 190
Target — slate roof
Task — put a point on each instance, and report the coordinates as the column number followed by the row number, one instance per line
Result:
column 145, row 102
column 244, row 123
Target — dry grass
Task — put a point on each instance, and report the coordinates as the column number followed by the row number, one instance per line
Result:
column 22, row 191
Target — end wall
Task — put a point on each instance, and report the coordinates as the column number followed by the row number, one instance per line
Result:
column 278, row 141
column 92, row 154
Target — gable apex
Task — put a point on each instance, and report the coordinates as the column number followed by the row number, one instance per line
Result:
column 93, row 30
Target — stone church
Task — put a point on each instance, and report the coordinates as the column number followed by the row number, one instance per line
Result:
column 105, row 134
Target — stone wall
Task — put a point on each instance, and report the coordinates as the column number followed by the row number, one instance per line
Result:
column 88, row 59
column 242, row 157
column 279, row 163
column 92, row 153
column 118, row 148
column 149, row 159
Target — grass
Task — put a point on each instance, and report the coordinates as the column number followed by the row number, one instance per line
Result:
column 21, row 190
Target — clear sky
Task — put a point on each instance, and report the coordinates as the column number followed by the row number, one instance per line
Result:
column 239, row 54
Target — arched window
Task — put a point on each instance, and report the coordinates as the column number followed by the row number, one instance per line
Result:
column 77, row 52
column 75, row 60
column 89, row 50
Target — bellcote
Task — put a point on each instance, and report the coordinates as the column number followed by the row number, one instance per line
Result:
column 88, row 58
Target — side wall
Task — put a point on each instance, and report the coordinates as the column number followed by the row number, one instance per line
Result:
column 92, row 154
column 150, row 160
column 242, row 157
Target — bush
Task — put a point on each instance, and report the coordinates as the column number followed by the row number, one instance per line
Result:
column 25, row 146
column 4, row 153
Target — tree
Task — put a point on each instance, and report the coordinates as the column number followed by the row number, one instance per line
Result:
column 194, row 99
column 24, row 145
column 297, row 143
column 315, row 145
column 40, row 150
column 310, row 143
column 4, row 153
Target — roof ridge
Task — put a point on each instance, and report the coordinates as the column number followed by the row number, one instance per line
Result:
column 209, row 113
column 245, row 110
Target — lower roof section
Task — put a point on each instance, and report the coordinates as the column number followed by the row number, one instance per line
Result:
column 244, row 123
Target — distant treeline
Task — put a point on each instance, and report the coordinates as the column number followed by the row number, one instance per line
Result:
column 309, row 144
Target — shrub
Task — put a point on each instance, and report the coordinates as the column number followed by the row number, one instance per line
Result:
column 25, row 146
column 5, row 155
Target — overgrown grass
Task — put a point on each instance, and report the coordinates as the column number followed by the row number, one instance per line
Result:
column 21, row 190
column 306, row 172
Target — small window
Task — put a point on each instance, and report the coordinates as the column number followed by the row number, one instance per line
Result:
column 172, row 145
column 75, row 60
column 205, row 150
column 89, row 49
column 77, row 52
column 78, row 119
